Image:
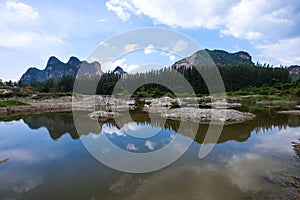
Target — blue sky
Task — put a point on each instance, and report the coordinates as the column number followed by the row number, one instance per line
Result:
column 31, row 31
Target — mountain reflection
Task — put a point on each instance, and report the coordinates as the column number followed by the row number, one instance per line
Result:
column 59, row 124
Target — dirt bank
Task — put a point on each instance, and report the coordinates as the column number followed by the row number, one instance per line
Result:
column 38, row 106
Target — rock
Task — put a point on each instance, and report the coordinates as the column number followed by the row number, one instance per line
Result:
column 296, row 184
column 226, row 116
column 99, row 102
column 161, row 104
column 103, row 115
column 275, row 102
column 223, row 104
column 193, row 105
column 3, row 161
column 296, row 147
column 62, row 104
column 291, row 112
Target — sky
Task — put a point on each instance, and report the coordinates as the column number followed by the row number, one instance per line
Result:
column 31, row 31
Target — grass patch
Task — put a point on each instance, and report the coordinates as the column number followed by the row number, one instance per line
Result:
column 12, row 103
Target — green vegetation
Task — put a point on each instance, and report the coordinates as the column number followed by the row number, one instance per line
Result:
column 64, row 84
column 7, row 103
column 14, row 92
column 273, row 91
column 246, row 80
column 153, row 90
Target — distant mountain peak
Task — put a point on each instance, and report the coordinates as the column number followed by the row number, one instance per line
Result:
column 119, row 70
column 53, row 61
column 294, row 69
column 73, row 60
column 57, row 69
column 220, row 58
column 244, row 55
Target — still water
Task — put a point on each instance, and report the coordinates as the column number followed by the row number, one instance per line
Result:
column 47, row 160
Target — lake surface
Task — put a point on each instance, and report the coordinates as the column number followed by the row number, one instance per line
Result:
column 47, row 159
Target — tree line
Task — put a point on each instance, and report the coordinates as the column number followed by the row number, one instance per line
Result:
column 164, row 81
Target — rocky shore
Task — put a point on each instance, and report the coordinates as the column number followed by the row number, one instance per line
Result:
column 67, row 103
column 291, row 112
column 192, row 108
column 216, row 116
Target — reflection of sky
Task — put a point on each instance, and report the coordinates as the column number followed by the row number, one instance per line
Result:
column 233, row 170
column 31, row 154
column 277, row 141
column 23, row 145
column 134, row 137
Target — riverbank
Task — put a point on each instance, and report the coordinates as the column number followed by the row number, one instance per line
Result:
column 40, row 103
column 33, row 106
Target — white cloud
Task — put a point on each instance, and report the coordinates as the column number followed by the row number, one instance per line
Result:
column 260, row 19
column 179, row 46
column 21, row 11
column 172, row 57
column 130, row 47
column 122, row 8
column 131, row 127
column 91, row 59
column 119, row 62
column 245, row 171
column 20, row 28
column 113, row 130
column 185, row 13
column 29, row 185
column 281, row 139
column 284, row 51
column 22, row 155
column 262, row 22
column 111, row 65
column 96, row 136
column 248, row 19
column 149, row 49
column 131, row 68
column 131, row 147
column 150, row 145
column 193, row 14
column 103, row 44
column 122, row 63
column 102, row 20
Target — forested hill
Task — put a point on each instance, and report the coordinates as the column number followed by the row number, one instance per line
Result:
column 237, row 71
column 220, row 58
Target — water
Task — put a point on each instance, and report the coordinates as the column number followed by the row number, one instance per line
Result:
column 47, row 160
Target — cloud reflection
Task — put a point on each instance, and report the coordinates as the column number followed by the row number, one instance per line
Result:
column 278, row 142
column 29, row 185
column 247, row 171
column 150, row 145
